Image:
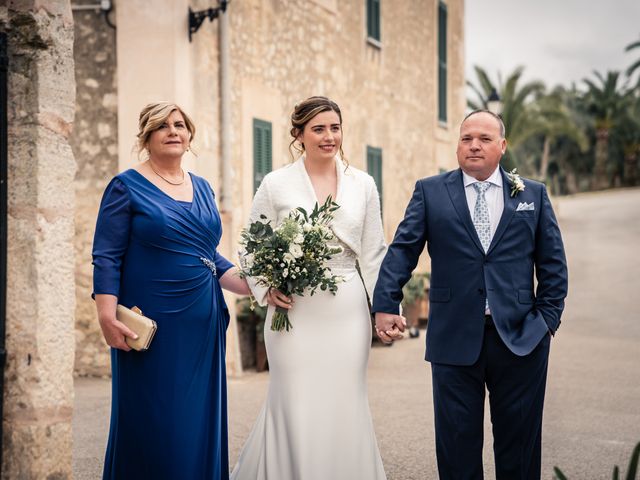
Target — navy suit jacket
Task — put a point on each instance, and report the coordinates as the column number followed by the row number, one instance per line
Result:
column 526, row 242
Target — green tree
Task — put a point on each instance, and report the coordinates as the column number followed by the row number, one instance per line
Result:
column 605, row 100
column 557, row 123
column 528, row 112
column 518, row 117
column 626, row 139
column 635, row 65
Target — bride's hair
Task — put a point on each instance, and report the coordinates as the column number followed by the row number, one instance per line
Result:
column 303, row 113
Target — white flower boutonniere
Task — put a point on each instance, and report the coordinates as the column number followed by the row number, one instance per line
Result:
column 517, row 185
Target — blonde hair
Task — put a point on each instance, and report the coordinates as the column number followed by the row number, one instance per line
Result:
column 153, row 116
column 303, row 113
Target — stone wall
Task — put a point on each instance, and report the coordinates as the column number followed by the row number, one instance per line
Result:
column 286, row 50
column 38, row 396
column 95, row 147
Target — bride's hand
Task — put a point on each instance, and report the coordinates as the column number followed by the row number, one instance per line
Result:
column 278, row 299
column 389, row 327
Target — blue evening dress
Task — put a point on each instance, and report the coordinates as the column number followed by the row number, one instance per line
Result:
column 169, row 403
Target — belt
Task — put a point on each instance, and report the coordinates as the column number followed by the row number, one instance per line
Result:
column 488, row 321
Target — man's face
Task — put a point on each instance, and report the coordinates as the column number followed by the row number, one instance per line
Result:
column 480, row 146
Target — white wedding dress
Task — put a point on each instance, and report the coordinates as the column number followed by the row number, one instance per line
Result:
column 316, row 423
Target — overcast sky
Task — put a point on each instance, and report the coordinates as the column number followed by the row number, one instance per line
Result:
column 557, row 41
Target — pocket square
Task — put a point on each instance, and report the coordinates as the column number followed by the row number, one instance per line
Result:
column 524, row 207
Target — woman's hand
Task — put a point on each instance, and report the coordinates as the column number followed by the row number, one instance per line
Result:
column 114, row 331
column 278, row 299
column 389, row 327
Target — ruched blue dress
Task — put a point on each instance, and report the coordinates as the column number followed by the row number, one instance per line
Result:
column 169, row 404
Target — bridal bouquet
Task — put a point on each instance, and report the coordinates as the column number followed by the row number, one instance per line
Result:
column 292, row 257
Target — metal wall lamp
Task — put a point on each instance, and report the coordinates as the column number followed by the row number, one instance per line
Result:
column 196, row 18
column 494, row 102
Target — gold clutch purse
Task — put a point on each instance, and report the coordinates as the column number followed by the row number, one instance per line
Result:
column 143, row 326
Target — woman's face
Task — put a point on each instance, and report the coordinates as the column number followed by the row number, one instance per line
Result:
column 171, row 139
column 322, row 136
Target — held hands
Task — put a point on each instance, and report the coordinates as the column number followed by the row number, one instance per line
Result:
column 278, row 299
column 389, row 327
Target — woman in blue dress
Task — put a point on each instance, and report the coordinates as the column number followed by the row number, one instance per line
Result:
column 155, row 248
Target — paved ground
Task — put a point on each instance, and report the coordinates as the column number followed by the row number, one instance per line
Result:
column 592, row 414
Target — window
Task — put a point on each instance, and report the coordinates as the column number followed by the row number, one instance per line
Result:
column 261, row 151
column 442, row 62
column 374, row 167
column 373, row 19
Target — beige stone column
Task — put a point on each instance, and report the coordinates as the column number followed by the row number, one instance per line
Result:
column 38, row 397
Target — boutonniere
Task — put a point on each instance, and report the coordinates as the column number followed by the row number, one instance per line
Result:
column 517, row 185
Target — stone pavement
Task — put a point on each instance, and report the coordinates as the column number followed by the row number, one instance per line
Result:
column 592, row 413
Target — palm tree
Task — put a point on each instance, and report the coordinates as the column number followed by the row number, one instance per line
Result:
column 605, row 101
column 635, row 65
column 557, row 121
column 626, row 134
column 528, row 112
column 519, row 119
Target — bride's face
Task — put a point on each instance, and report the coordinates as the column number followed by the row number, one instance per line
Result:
column 322, row 136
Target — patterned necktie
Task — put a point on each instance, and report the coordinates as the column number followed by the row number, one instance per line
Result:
column 481, row 215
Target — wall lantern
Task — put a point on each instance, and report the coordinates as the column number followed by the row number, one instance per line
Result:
column 196, row 18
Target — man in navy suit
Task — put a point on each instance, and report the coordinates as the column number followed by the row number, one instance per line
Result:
column 488, row 232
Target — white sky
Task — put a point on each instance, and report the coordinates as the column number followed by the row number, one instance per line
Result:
column 557, row 41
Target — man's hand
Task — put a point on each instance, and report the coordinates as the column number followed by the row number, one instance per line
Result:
column 389, row 327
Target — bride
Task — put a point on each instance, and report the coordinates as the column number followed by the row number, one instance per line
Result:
column 316, row 422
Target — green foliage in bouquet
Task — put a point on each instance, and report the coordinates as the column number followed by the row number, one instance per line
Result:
column 291, row 257
column 631, row 471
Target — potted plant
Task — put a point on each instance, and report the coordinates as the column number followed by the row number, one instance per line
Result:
column 631, row 470
column 415, row 302
column 251, row 334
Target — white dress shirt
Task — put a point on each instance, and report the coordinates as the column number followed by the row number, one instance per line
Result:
column 493, row 195
column 495, row 202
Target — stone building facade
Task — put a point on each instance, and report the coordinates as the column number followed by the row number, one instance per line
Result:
column 95, row 145
column 279, row 52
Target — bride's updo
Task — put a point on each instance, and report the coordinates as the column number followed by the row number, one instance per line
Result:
column 303, row 113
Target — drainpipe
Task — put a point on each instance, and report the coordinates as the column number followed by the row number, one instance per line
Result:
column 225, row 115
column 4, row 216
column 226, row 171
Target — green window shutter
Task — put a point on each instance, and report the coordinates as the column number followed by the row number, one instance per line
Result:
column 442, row 62
column 374, row 167
column 262, row 153
column 373, row 19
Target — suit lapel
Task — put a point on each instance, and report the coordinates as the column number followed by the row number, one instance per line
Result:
column 455, row 187
column 510, row 205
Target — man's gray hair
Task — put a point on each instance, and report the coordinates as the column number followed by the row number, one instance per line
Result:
column 497, row 117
